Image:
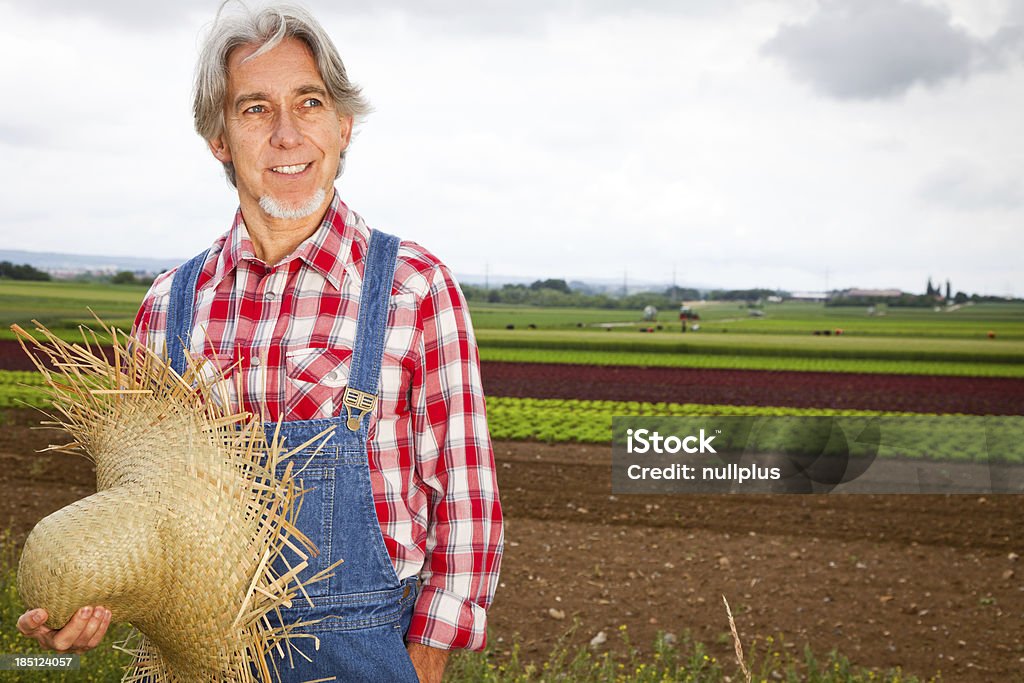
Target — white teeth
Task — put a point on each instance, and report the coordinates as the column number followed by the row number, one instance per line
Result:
column 290, row 170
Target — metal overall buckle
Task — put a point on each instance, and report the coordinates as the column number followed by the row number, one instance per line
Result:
column 353, row 399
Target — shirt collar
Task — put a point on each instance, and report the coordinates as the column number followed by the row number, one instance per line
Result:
column 326, row 251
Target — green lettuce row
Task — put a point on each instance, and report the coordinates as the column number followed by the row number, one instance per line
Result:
column 20, row 389
column 944, row 437
column 740, row 362
column 932, row 436
column 568, row 420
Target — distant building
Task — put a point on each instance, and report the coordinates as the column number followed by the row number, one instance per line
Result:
column 809, row 296
column 873, row 293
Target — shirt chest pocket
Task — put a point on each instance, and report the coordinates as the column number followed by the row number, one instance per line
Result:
column 217, row 373
column 316, row 380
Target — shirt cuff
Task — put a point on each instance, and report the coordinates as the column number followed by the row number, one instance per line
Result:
column 447, row 621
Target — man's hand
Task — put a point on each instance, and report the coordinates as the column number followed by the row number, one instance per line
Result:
column 83, row 632
column 429, row 662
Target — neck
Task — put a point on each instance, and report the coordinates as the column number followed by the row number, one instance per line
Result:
column 275, row 238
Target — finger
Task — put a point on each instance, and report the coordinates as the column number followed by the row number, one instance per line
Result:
column 91, row 629
column 101, row 631
column 64, row 639
column 33, row 622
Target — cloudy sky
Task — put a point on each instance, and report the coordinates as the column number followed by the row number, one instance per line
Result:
column 777, row 143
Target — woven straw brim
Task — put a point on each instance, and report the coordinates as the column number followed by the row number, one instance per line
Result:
column 188, row 523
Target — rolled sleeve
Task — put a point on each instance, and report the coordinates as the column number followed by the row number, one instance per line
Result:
column 454, row 458
column 447, row 621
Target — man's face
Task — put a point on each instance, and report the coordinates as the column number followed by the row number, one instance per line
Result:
column 281, row 129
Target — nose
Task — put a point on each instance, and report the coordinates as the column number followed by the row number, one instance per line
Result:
column 286, row 133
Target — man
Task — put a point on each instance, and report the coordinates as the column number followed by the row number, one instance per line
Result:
column 322, row 322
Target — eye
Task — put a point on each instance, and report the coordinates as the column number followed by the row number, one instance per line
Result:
column 256, row 109
column 312, row 102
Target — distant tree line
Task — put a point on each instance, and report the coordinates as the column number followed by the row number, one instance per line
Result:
column 25, row 271
column 127, row 277
column 933, row 295
column 744, row 294
column 903, row 300
column 911, row 300
column 557, row 292
column 22, row 272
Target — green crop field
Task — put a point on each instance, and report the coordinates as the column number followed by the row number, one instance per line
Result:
column 902, row 355
column 63, row 306
column 900, row 348
column 908, row 341
column 901, row 341
column 743, row 362
column 972, row 321
column 937, row 437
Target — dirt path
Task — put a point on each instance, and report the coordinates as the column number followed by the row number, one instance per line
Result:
column 929, row 583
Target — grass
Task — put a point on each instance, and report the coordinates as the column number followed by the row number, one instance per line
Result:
column 670, row 659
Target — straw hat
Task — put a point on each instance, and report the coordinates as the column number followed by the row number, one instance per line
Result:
column 188, row 523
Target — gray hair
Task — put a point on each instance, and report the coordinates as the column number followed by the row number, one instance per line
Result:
column 265, row 27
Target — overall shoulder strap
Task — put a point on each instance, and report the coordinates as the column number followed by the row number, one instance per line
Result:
column 181, row 310
column 360, row 396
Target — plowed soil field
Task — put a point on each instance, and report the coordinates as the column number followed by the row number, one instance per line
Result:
column 929, row 583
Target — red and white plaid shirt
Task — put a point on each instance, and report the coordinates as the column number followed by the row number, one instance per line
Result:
column 291, row 329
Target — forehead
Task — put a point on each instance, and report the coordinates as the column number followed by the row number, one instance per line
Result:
column 287, row 66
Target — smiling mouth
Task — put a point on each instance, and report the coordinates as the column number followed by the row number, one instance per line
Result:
column 291, row 170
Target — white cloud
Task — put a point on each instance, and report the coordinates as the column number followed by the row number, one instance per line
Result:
column 865, row 49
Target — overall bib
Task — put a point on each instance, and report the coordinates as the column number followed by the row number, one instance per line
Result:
column 364, row 609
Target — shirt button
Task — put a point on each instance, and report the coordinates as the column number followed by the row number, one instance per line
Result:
column 332, row 375
column 254, row 361
column 270, row 296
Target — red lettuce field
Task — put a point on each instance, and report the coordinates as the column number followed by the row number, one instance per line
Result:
column 908, row 393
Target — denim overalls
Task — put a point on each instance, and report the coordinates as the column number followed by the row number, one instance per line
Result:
column 365, row 609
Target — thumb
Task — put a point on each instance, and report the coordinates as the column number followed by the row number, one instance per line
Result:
column 36, row 617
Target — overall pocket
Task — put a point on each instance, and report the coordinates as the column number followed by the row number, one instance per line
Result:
column 315, row 520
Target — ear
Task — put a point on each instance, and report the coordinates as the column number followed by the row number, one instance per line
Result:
column 346, row 131
column 219, row 148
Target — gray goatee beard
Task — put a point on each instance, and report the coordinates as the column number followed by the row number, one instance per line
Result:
column 276, row 209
